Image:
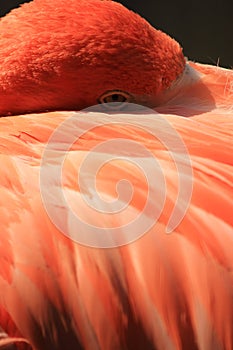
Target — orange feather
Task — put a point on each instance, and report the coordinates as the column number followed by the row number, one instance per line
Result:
column 72, row 273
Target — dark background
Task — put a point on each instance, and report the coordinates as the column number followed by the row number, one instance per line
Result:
column 204, row 28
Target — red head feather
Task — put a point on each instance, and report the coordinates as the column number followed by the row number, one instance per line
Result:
column 59, row 55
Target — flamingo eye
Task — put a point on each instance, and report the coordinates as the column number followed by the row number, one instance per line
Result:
column 115, row 99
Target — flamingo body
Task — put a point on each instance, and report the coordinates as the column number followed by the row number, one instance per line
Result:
column 159, row 291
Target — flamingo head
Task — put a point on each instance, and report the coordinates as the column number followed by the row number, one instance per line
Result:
column 70, row 55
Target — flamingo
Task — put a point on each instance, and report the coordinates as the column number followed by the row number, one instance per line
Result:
column 136, row 254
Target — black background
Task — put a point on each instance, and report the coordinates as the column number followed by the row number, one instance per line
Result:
column 204, row 28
